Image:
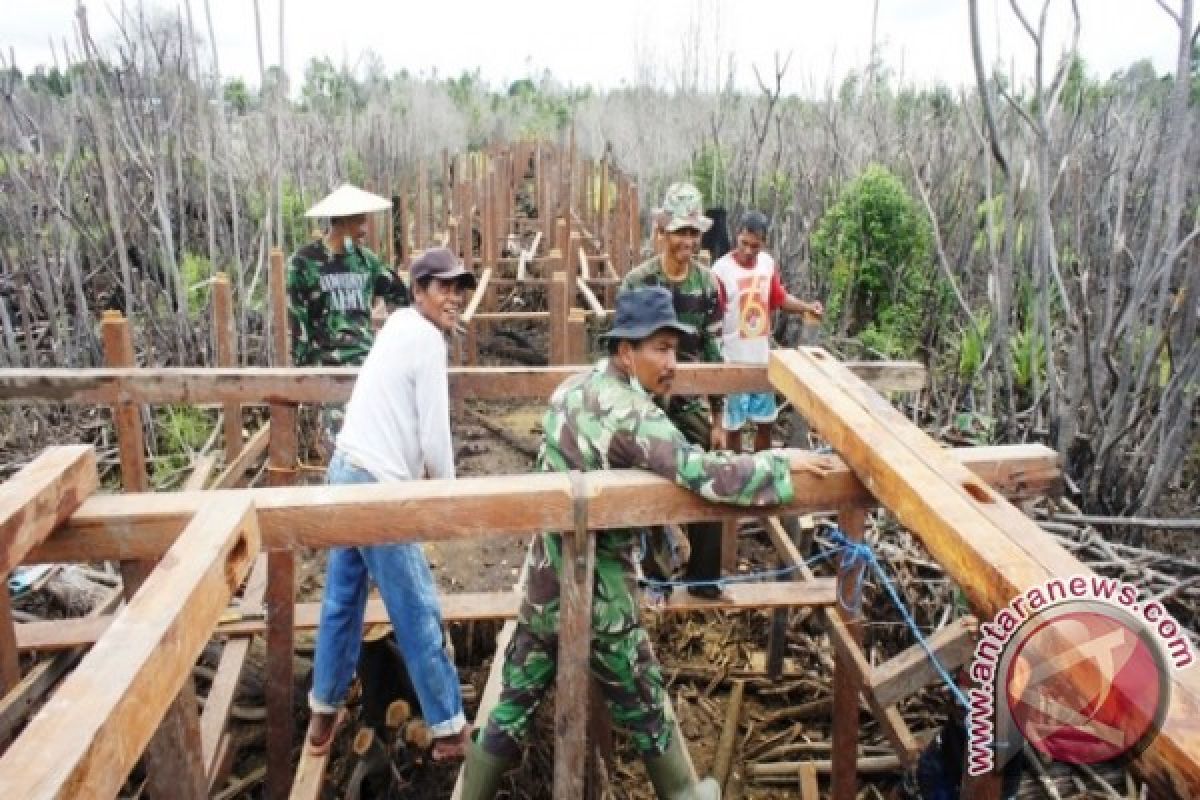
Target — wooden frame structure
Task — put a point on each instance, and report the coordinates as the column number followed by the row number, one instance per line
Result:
column 185, row 554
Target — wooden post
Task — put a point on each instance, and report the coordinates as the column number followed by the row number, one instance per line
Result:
column 729, row 536
column 173, row 765
column 32, row 504
column 281, row 563
column 574, row 648
column 577, row 342
column 635, row 228
column 226, row 335
column 131, row 443
column 602, row 215
column 421, row 223
column 559, row 311
column 447, row 189
column 573, row 265
column 487, row 247
column 846, row 681
column 400, row 214
column 561, row 241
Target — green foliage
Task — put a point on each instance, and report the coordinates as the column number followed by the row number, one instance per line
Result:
column 872, row 250
column 708, row 175
column 972, row 347
column 329, row 89
column 1028, row 354
column 182, row 431
column 50, row 81
column 196, row 273
column 237, row 95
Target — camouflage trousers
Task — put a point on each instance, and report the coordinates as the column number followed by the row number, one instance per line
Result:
column 622, row 661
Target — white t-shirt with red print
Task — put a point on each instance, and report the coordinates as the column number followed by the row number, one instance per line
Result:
column 748, row 293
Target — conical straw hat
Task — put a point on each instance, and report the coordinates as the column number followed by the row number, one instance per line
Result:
column 346, row 201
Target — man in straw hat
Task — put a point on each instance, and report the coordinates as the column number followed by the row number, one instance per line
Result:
column 397, row 428
column 607, row 419
column 694, row 294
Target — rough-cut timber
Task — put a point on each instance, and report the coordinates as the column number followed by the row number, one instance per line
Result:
column 143, row 526
column 85, row 740
column 992, row 550
column 266, row 385
column 32, row 504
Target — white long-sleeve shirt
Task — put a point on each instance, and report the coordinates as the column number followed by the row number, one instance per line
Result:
column 397, row 424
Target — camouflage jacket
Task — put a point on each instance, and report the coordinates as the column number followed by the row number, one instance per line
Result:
column 600, row 420
column 329, row 303
column 696, row 303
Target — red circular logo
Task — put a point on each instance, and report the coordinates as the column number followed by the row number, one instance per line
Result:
column 1083, row 687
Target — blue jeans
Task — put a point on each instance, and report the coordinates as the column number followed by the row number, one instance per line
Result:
column 410, row 596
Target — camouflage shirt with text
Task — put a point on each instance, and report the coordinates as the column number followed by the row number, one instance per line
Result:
column 329, row 303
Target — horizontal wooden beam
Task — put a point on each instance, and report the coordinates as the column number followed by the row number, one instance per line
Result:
column 40, row 497
column 266, row 385
column 912, row 670
column 64, row 634
column 87, row 738
column 142, row 526
column 985, row 544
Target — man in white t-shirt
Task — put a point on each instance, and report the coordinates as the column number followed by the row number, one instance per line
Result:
column 749, row 289
column 397, row 428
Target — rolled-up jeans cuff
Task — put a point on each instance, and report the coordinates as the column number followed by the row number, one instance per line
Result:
column 317, row 707
column 450, row 727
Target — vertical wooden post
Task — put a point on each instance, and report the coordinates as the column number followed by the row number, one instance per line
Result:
column 400, row 212
column 635, row 228
column 577, row 343
column 561, row 241
column 10, row 664
column 447, row 189
column 576, row 582
column 131, row 443
column 729, row 537
column 559, row 311
column 605, row 199
column 846, row 685
column 226, row 335
column 174, row 767
column 488, row 245
column 421, row 224
column 281, row 564
column 574, row 242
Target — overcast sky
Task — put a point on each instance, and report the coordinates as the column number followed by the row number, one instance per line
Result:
column 611, row 42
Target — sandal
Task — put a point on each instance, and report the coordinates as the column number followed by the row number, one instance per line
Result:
column 322, row 728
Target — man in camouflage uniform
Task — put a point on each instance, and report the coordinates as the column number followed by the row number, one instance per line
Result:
column 607, row 419
column 332, row 284
column 695, row 295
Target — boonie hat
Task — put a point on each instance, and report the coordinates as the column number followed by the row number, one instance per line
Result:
column 642, row 312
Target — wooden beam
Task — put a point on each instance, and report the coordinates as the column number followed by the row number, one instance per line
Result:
column 127, row 415
column 247, row 619
column 235, row 470
column 143, row 526
column 992, row 550
column 87, row 738
column 225, row 332
column 202, row 470
column 559, row 300
column 477, row 296
column 34, row 502
column 850, row 668
column 911, row 670
column 266, row 385
column 224, row 685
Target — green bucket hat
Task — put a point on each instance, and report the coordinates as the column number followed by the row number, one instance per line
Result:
column 683, row 207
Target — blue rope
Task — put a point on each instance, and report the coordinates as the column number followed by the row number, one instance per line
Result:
column 856, row 553
column 856, row 557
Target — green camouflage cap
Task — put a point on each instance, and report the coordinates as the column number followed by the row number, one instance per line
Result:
column 683, row 207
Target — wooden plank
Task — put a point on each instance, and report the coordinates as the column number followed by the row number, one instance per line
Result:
column 142, row 526
column 224, row 685
column 35, row 501
column 19, row 703
column 589, row 298
column 40, row 497
column 131, row 443
column 235, row 470
column 850, row 668
column 266, row 385
column 225, row 332
column 88, row 737
column 477, row 296
column 560, row 304
column 202, row 470
column 985, row 544
column 248, row 619
column 911, row 670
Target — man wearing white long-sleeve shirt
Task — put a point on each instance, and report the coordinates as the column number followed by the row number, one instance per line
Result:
column 397, row 428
